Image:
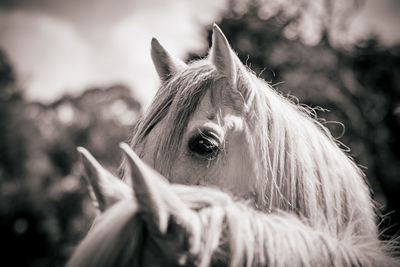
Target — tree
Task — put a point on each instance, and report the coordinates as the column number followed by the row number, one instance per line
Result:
column 44, row 205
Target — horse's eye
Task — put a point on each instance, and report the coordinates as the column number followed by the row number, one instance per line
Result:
column 204, row 146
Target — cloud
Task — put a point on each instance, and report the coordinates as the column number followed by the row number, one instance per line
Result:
column 47, row 52
column 63, row 46
column 66, row 46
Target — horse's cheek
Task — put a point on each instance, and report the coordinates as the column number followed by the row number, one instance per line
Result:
column 235, row 172
column 242, row 172
column 184, row 171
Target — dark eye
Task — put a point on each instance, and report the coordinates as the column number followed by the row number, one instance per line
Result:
column 205, row 146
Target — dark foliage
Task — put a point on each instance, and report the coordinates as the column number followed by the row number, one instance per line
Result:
column 44, row 205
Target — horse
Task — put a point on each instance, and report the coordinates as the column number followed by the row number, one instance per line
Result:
column 213, row 122
column 155, row 223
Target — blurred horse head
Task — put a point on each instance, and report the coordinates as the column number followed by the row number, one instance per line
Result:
column 213, row 122
column 154, row 223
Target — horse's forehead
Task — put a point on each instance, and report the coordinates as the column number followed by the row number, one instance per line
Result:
column 214, row 109
column 207, row 108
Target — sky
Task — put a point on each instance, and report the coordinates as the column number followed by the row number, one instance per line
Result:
column 64, row 47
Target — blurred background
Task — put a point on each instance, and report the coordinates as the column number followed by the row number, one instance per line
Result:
column 79, row 73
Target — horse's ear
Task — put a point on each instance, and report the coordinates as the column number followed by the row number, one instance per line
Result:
column 104, row 188
column 165, row 64
column 154, row 196
column 229, row 65
column 222, row 55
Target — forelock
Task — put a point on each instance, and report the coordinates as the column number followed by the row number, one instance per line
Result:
column 190, row 87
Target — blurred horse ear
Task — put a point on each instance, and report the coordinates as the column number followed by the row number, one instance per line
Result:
column 165, row 64
column 105, row 189
column 154, row 196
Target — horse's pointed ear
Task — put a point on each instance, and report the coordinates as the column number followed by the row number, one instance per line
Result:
column 105, row 189
column 228, row 65
column 147, row 191
column 165, row 64
column 222, row 55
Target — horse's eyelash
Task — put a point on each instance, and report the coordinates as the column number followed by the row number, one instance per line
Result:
column 210, row 137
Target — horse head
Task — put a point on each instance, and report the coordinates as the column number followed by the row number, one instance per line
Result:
column 198, row 132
